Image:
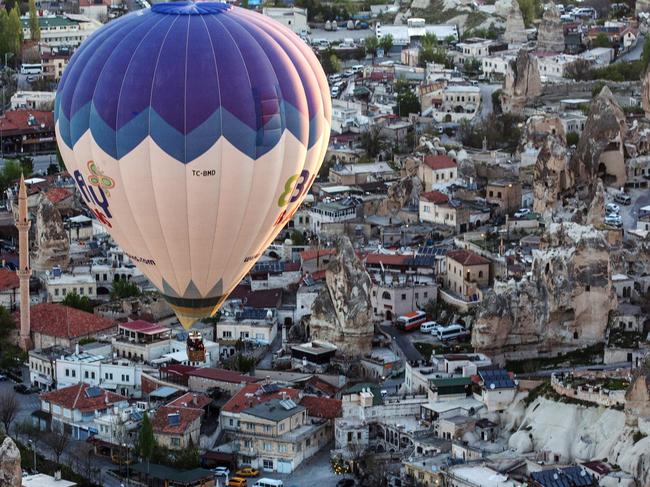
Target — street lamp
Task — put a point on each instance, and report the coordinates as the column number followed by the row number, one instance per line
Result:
column 33, row 445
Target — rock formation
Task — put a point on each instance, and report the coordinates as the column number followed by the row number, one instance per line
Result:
column 515, row 29
column 522, row 83
column 645, row 93
column 637, row 397
column 550, row 35
column 11, row 474
column 605, row 124
column 565, row 303
column 596, row 213
column 551, row 175
column 577, row 434
column 342, row 314
column 52, row 245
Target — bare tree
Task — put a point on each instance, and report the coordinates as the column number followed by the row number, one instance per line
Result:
column 84, row 454
column 28, row 431
column 8, row 410
column 58, row 441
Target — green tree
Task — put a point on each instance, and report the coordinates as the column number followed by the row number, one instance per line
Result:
column 146, row 441
column 124, row 289
column 330, row 62
column 14, row 32
column 428, row 40
column 572, row 138
column 298, row 238
column 601, row 40
column 52, row 169
column 407, row 102
column 371, row 45
column 372, row 142
column 73, row 300
column 4, row 33
column 34, row 27
column 645, row 56
column 527, row 8
column 386, row 43
column 9, row 174
column 472, row 66
column 188, row 458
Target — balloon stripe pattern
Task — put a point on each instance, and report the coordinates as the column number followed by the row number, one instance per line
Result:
column 193, row 131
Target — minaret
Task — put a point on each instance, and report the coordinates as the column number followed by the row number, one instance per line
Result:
column 24, row 271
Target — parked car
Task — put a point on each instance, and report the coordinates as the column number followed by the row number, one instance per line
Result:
column 612, row 208
column 237, row 482
column 522, row 212
column 3, row 377
column 247, row 472
column 623, row 199
column 429, row 327
column 614, row 220
column 221, row 471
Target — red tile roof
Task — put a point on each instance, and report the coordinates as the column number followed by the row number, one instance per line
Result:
column 310, row 254
column 435, row 197
column 191, row 400
column 56, row 195
column 467, row 257
column 62, row 321
column 387, row 259
column 8, row 279
column 141, row 326
column 178, row 369
column 222, row 375
column 248, row 397
column 74, row 397
column 264, row 298
column 16, row 122
column 322, row 407
column 160, row 421
column 322, row 385
column 439, row 162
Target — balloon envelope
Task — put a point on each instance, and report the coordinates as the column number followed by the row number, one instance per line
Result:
column 193, row 132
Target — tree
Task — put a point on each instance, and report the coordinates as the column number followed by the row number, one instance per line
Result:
column 645, row 56
column 58, row 442
column 14, row 32
column 52, row 169
column 73, row 300
column 572, row 138
column 579, row 70
column 188, row 458
column 407, row 103
column 298, row 238
column 372, row 142
column 601, row 40
column 386, row 43
column 124, row 289
column 428, row 40
column 8, row 410
column 527, row 8
column 34, row 27
column 372, row 44
column 330, row 62
column 472, row 66
column 9, row 174
column 146, row 441
column 496, row 101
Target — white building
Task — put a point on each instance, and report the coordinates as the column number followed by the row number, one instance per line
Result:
column 392, row 299
column 250, row 324
column 58, row 285
column 62, row 30
column 554, row 67
column 33, row 100
column 478, row 49
column 119, row 424
column 333, row 212
column 119, row 375
column 293, row 17
column 600, row 56
column 496, row 64
column 305, row 297
column 143, row 341
column 415, row 29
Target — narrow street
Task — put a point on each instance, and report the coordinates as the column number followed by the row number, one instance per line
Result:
column 403, row 342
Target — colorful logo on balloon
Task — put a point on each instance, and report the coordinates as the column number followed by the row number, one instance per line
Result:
column 96, row 191
column 98, row 179
column 293, row 189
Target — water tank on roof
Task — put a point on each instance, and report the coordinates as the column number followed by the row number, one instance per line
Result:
column 56, row 271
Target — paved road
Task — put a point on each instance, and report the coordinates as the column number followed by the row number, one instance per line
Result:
column 635, row 53
column 630, row 214
column 403, row 342
column 486, row 98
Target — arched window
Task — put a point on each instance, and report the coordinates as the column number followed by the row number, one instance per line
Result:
column 385, row 295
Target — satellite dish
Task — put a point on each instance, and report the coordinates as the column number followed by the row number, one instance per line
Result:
column 555, row 476
column 492, row 386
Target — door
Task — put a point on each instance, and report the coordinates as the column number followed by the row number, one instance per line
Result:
column 283, row 466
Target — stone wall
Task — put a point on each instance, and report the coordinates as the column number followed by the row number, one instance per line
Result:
column 589, row 393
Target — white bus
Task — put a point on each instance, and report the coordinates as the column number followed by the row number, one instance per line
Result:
column 450, row 332
column 268, row 483
column 31, row 69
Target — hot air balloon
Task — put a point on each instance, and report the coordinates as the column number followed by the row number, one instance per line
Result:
column 193, row 131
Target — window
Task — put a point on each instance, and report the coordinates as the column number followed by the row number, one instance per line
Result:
column 480, row 273
column 248, row 443
column 267, row 428
column 281, row 427
column 308, row 443
column 86, row 375
column 175, row 441
column 90, row 290
column 250, row 426
column 227, row 334
column 92, row 375
column 267, row 464
column 403, row 297
column 385, row 295
column 74, row 373
column 81, row 291
column 282, row 448
column 268, row 446
column 67, row 372
column 56, row 292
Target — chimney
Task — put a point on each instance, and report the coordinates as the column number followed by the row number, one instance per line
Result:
column 284, row 396
column 195, row 400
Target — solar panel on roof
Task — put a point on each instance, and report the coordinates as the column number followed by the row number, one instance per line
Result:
column 137, row 416
column 93, row 392
column 288, row 404
column 270, row 388
column 174, row 419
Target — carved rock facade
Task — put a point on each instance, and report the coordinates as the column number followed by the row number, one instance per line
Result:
column 522, row 82
column 52, row 245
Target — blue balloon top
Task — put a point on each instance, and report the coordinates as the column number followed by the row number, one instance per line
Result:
column 186, row 74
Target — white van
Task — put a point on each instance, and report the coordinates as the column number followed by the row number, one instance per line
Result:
column 623, row 199
column 357, row 68
column 429, row 327
column 335, row 91
column 268, row 483
column 450, row 332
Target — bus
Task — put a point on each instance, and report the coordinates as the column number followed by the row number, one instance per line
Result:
column 31, row 68
column 268, row 483
column 411, row 321
column 450, row 332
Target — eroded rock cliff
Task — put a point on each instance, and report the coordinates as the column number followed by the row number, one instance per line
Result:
column 342, row 313
column 522, row 82
column 11, row 474
column 551, row 174
column 52, row 245
column 550, row 35
column 565, row 303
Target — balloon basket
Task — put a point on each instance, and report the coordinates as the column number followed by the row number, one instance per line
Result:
column 195, row 347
